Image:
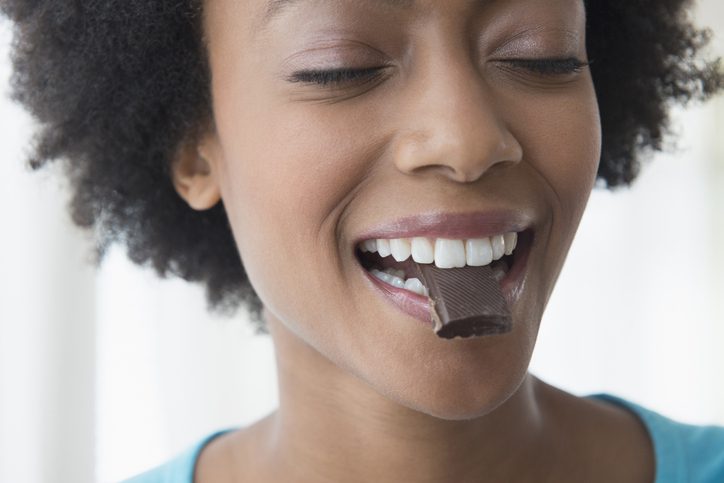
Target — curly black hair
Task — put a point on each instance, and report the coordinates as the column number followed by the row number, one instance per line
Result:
column 118, row 86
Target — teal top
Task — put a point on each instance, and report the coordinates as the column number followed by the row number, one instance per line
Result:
column 684, row 453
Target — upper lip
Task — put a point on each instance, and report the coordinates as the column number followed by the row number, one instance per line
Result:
column 471, row 225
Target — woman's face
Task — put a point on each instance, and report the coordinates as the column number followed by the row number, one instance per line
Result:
column 460, row 117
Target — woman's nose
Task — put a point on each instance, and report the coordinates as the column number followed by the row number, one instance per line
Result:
column 451, row 125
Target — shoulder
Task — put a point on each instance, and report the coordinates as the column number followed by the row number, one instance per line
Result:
column 179, row 469
column 684, row 452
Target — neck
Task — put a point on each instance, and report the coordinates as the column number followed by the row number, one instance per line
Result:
column 335, row 427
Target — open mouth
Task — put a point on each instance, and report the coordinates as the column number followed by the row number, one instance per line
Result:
column 393, row 261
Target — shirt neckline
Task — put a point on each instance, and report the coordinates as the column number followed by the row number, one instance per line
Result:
column 667, row 451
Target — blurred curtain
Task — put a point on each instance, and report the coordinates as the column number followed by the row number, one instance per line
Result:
column 47, row 322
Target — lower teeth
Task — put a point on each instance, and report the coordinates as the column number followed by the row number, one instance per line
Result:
column 500, row 269
column 395, row 278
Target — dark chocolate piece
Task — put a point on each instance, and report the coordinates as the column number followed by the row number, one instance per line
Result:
column 465, row 302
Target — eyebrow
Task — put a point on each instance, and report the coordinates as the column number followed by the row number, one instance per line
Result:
column 276, row 7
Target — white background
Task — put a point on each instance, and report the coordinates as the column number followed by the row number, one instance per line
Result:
column 104, row 374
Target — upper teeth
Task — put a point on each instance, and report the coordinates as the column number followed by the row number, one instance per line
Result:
column 445, row 253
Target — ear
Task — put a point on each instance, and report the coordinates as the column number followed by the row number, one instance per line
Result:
column 195, row 172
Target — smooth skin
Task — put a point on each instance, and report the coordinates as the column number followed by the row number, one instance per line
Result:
column 450, row 124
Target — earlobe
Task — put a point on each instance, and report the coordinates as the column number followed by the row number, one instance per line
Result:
column 195, row 177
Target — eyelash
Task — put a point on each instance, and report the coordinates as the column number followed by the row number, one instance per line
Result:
column 335, row 76
column 542, row 67
column 549, row 67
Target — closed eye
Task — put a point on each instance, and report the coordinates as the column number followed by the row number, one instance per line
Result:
column 547, row 67
column 336, row 76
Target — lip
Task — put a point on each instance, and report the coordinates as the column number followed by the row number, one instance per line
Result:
column 456, row 226
column 450, row 225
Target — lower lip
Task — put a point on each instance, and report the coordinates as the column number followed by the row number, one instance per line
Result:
column 418, row 305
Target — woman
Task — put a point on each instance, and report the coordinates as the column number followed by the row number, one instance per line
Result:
column 285, row 152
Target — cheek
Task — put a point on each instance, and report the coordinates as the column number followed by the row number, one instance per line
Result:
column 562, row 139
column 569, row 164
column 286, row 175
column 562, row 142
column 572, row 157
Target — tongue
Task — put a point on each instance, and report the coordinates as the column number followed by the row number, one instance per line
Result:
column 465, row 302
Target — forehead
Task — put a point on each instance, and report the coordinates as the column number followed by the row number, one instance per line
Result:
column 274, row 9
column 255, row 23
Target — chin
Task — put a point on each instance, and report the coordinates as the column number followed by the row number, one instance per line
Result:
column 459, row 412
column 460, row 401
